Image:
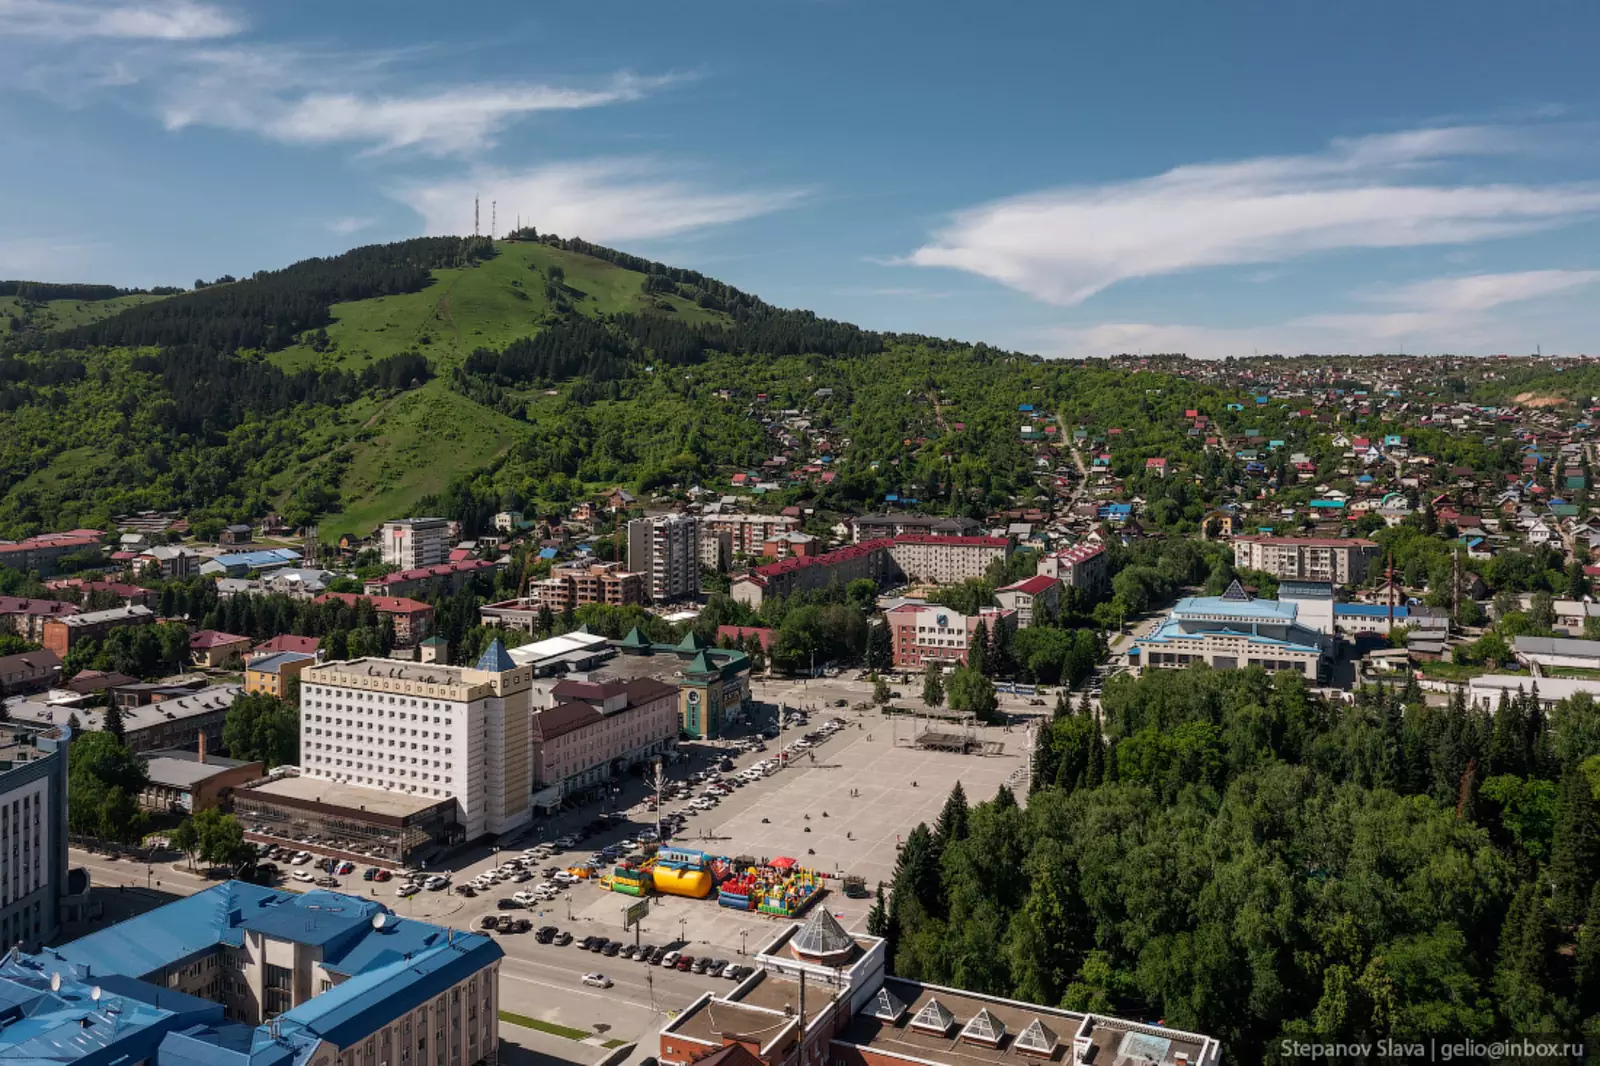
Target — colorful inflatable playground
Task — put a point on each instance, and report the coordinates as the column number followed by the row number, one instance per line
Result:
column 780, row 887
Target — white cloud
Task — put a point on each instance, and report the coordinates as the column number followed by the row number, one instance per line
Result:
column 445, row 122
column 1432, row 316
column 349, row 224
column 66, row 20
column 599, row 200
column 1064, row 245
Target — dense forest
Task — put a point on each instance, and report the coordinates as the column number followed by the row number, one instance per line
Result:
column 1230, row 852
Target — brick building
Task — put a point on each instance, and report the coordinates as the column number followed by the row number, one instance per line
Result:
column 921, row 634
column 60, row 635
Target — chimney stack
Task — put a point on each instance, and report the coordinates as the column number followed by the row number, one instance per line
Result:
column 202, row 746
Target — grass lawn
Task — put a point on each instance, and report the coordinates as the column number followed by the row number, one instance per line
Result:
column 546, row 1027
column 1451, row 672
column 64, row 314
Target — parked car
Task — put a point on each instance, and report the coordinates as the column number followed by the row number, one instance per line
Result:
column 685, row 962
column 562, row 939
column 597, row 980
column 301, row 875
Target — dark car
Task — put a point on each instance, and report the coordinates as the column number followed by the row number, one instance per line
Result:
column 369, row 873
column 505, row 923
column 489, row 923
column 466, row 890
column 610, row 950
column 545, row 934
column 523, row 925
column 657, row 955
column 599, row 944
column 587, row 942
column 505, row 904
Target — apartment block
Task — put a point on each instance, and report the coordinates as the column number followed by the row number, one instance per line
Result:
column 1082, row 566
column 946, row 560
column 876, row 526
column 573, row 585
column 666, row 550
column 33, row 831
column 427, row 731
column 724, row 536
column 1034, row 598
column 411, row 543
column 1341, row 560
column 62, row 634
column 593, row 729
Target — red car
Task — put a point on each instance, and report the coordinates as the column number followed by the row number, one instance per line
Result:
column 685, row 961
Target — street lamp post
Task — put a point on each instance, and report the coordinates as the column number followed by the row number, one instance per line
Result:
column 569, row 906
column 682, row 926
column 742, row 934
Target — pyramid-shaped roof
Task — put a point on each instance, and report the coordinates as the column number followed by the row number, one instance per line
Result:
column 886, row 1006
column 822, row 935
column 495, row 659
column 984, row 1028
column 690, row 643
column 1235, row 593
column 700, row 664
column 934, row 1017
column 1038, row 1038
column 634, row 639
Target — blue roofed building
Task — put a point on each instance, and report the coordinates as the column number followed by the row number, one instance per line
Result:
column 239, row 564
column 1235, row 630
column 241, row 975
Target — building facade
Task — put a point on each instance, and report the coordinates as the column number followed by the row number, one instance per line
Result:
column 666, row 550
column 62, row 634
column 1082, row 566
column 29, row 671
column 572, row 585
column 877, row 526
column 1234, row 631
column 946, row 560
column 411, row 543
column 425, row 730
column 238, row 975
column 272, row 673
column 26, row 616
column 921, row 634
column 593, row 731
column 33, row 831
column 1343, row 561
column 1034, row 599
column 725, row 536
column 412, row 619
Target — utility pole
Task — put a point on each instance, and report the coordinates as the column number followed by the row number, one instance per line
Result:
column 474, row 216
column 493, row 205
column 657, row 781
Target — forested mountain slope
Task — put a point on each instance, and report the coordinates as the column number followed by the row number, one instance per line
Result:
column 471, row 375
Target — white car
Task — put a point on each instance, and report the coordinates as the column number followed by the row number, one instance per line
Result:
column 302, row 875
column 301, row 858
column 597, row 980
column 561, row 877
column 525, row 898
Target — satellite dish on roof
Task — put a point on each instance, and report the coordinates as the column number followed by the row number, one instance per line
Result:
column 95, row 993
column 379, row 919
column 55, row 982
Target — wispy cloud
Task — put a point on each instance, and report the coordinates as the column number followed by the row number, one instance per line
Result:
column 349, row 224
column 79, row 20
column 601, row 200
column 1450, row 314
column 442, row 122
column 1064, row 245
column 48, row 258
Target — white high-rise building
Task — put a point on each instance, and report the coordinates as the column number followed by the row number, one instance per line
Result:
column 427, row 730
column 410, row 543
column 666, row 549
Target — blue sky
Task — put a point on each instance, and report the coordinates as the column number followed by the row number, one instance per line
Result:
column 1060, row 178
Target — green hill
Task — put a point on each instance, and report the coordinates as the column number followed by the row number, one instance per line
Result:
column 463, row 376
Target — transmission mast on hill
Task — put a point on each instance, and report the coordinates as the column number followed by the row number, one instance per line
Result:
column 474, row 216
column 493, row 226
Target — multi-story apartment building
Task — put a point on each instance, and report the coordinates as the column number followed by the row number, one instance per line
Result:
column 425, row 730
column 174, row 719
column 412, row 619
column 666, row 550
column 273, row 672
column 26, row 615
column 1033, row 598
column 946, row 560
column 921, row 634
column 442, row 578
column 411, row 543
column 28, row 671
column 724, row 536
column 876, row 526
column 323, row 977
column 1082, row 566
column 33, row 831
column 574, row 584
column 920, row 556
column 1343, row 561
column 61, row 634
column 593, row 729
column 41, row 553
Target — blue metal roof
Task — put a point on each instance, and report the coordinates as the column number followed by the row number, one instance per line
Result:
column 265, row 557
column 271, row 664
column 547, row 553
column 351, row 1010
column 1258, row 610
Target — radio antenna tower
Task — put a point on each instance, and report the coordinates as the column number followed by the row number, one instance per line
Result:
column 474, row 216
column 493, row 226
